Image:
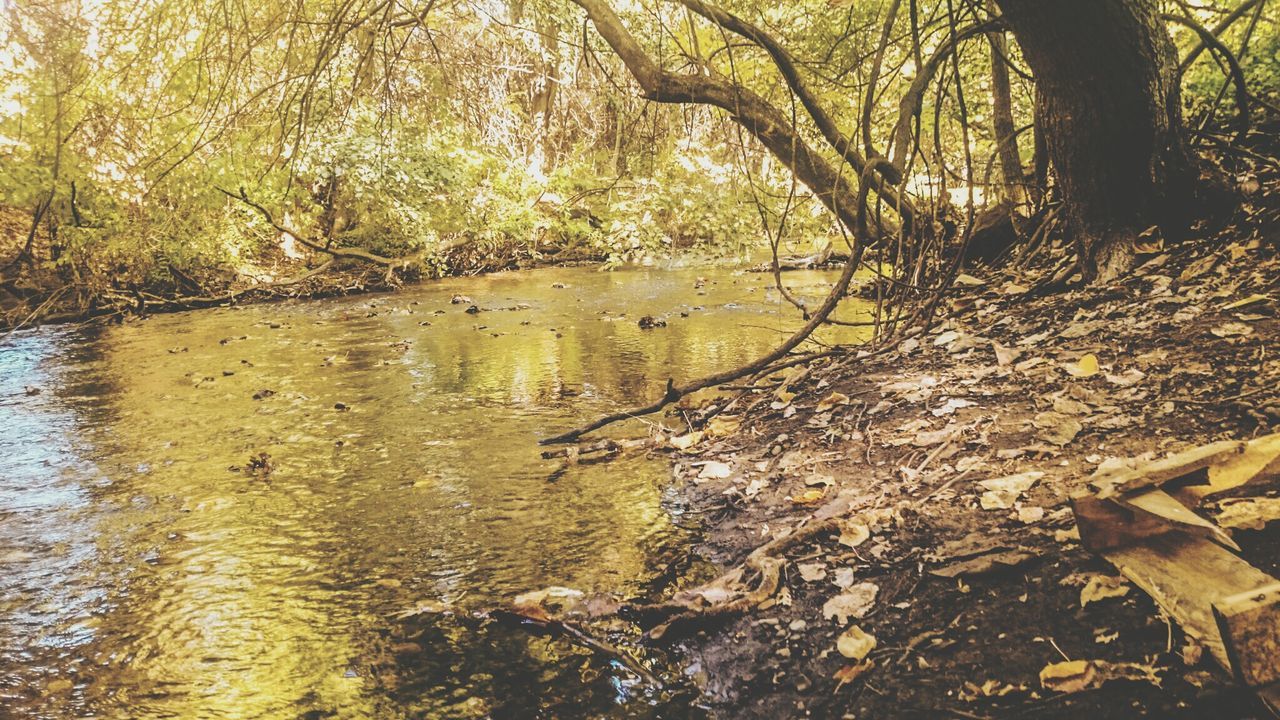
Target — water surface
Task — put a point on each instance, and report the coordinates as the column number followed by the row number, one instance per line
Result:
column 147, row 572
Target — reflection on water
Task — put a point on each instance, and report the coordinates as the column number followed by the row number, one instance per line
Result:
column 145, row 574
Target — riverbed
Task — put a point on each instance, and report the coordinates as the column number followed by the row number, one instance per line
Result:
column 233, row 513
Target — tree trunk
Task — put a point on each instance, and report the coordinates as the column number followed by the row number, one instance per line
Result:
column 1112, row 119
column 1002, row 121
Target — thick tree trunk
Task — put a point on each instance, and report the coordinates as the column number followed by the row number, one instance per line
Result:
column 1111, row 113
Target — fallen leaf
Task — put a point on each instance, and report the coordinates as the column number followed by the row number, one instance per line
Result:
column 1002, row 492
column 991, row 688
column 1057, row 428
column 1086, row 367
column 1077, row 675
column 820, row 479
column 686, row 441
column 1232, row 329
column 809, row 497
column 855, row 602
column 951, row 405
column 853, row 533
column 1128, row 378
column 1068, row 677
column 855, row 643
column 1101, row 587
column 843, row 578
column 1005, row 356
column 723, row 425
column 849, row 673
column 1247, row 301
column 1249, row 513
column 812, row 572
column 1030, row 514
column 832, row 400
column 1199, row 267
column 714, row 469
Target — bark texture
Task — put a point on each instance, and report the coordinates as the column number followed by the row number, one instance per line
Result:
column 1111, row 113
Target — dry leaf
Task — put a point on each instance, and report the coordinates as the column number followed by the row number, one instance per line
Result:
column 1086, row 367
column 832, row 400
column 855, row 643
column 849, row 673
column 1249, row 513
column 1005, row 356
column 809, row 497
column 1101, row 587
column 1030, row 514
column 1232, row 329
column 1068, row 677
column 951, row 405
column 1077, row 675
column 686, row 441
column 812, row 572
column 853, row 533
column 1057, row 428
column 714, row 469
column 723, row 425
column 855, row 602
column 1002, row 492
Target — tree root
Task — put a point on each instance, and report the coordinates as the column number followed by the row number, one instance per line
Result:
column 726, row 595
column 578, row 636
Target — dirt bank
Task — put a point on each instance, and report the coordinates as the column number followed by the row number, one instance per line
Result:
column 33, row 294
column 967, row 604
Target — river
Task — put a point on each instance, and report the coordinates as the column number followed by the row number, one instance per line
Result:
column 147, row 571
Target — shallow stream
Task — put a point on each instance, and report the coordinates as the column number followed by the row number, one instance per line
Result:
column 147, row 572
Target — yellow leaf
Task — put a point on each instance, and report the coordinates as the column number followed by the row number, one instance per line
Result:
column 1087, row 367
column 808, row 497
column 855, row 643
column 1067, row 677
column 1247, row 301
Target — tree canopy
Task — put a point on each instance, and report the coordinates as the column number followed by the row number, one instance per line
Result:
column 141, row 142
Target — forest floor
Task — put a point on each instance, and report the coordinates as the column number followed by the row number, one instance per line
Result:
column 967, row 604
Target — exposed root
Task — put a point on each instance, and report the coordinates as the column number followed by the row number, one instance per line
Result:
column 726, row 595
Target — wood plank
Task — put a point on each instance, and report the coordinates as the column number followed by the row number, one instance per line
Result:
column 1250, row 627
column 1161, row 471
column 1186, row 575
column 1119, row 521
